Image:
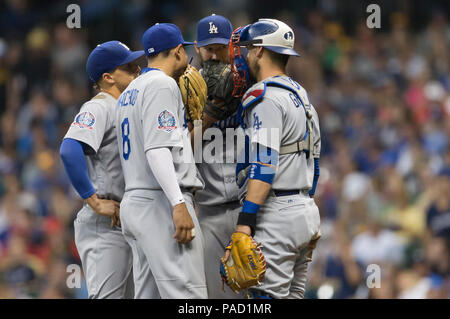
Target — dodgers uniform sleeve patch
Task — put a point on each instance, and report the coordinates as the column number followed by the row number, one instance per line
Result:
column 84, row 120
column 256, row 122
column 166, row 121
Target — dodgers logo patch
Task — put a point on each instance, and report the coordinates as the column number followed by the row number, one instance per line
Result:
column 256, row 122
column 84, row 120
column 166, row 121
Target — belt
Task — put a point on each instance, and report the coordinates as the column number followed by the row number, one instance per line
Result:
column 279, row 193
column 191, row 190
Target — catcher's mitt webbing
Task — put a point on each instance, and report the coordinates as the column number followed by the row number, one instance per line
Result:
column 219, row 81
column 193, row 91
column 246, row 265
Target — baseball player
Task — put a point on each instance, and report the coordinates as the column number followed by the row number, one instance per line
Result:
column 157, row 213
column 91, row 159
column 277, row 183
column 218, row 205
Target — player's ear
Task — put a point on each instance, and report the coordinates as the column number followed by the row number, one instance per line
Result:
column 179, row 51
column 259, row 51
column 106, row 78
column 196, row 48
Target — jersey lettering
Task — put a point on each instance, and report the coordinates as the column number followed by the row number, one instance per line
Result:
column 128, row 98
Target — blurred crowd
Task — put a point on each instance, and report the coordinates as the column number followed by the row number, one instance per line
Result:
column 383, row 98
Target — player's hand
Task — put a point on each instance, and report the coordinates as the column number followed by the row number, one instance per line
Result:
column 227, row 255
column 240, row 228
column 184, row 226
column 115, row 219
column 244, row 229
column 208, row 120
column 218, row 102
column 105, row 207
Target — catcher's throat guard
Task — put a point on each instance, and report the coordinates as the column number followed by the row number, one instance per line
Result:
column 239, row 66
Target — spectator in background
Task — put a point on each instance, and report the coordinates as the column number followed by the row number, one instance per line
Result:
column 377, row 245
column 438, row 214
column 384, row 102
column 341, row 268
column 69, row 55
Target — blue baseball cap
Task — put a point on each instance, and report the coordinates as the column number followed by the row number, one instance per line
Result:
column 161, row 37
column 108, row 56
column 213, row 29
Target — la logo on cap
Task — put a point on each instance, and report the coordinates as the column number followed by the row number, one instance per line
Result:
column 212, row 28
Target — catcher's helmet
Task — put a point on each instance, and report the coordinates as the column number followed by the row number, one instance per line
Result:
column 271, row 34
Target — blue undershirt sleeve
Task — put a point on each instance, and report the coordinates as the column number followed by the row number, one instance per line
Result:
column 73, row 158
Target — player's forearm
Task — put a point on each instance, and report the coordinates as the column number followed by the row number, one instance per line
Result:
column 256, row 195
column 160, row 161
column 207, row 121
column 72, row 156
column 257, row 191
column 261, row 176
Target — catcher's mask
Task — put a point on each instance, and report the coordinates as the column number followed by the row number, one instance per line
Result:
column 271, row 34
column 239, row 67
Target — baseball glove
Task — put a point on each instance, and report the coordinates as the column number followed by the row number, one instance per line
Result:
column 193, row 91
column 246, row 265
column 219, row 80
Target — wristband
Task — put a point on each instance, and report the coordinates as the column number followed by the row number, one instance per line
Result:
column 250, row 207
column 248, row 219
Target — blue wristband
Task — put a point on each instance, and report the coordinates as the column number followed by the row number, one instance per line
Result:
column 250, row 207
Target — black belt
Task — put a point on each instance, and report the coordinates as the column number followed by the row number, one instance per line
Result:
column 191, row 190
column 279, row 193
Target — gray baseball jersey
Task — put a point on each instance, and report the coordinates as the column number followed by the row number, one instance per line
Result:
column 150, row 114
column 105, row 255
column 278, row 120
column 220, row 177
column 94, row 125
column 218, row 207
